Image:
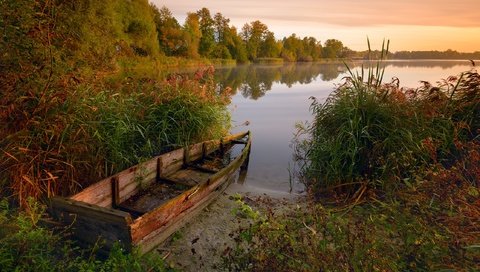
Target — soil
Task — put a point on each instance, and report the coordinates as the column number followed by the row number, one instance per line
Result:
column 201, row 243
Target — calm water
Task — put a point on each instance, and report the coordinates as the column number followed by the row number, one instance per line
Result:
column 274, row 98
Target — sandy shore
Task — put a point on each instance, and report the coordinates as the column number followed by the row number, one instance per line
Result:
column 201, row 243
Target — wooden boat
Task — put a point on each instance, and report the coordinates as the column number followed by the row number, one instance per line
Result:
column 143, row 205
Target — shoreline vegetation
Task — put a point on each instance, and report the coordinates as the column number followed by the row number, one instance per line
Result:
column 392, row 176
column 87, row 91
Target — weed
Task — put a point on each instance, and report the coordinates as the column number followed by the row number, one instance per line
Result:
column 409, row 234
column 244, row 210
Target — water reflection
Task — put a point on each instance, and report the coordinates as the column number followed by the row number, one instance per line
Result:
column 274, row 98
column 254, row 81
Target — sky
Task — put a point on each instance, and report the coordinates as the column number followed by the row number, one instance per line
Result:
column 408, row 24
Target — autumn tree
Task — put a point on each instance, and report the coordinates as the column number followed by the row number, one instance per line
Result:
column 192, row 35
column 237, row 48
column 269, row 48
column 292, row 48
column 170, row 33
column 313, row 48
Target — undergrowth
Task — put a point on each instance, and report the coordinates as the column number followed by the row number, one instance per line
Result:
column 26, row 245
column 429, row 227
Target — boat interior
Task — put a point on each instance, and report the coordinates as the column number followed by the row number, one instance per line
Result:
column 170, row 185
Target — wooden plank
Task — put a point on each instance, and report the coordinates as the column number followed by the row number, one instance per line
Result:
column 189, row 177
column 132, row 188
column 97, row 212
column 158, row 236
column 115, row 192
column 172, row 161
column 140, row 176
column 154, row 220
column 156, row 195
column 91, row 223
column 201, row 168
column 132, row 211
column 101, row 193
column 159, row 168
column 155, row 226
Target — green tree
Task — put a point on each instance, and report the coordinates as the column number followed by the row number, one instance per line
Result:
column 253, row 35
column 237, row 48
column 333, row 49
column 270, row 48
column 221, row 28
column 222, row 36
column 293, row 48
column 312, row 47
column 207, row 41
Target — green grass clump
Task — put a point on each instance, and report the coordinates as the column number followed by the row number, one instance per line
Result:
column 156, row 119
column 27, row 246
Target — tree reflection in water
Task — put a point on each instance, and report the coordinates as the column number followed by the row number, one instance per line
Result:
column 254, row 80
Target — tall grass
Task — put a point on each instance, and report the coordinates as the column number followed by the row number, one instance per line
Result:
column 80, row 102
column 370, row 134
column 156, row 118
column 97, row 130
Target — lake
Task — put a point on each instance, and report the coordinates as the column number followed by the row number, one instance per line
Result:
column 273, row 98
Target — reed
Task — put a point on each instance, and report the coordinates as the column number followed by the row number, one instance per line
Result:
column 370, row 134
column 158, row 119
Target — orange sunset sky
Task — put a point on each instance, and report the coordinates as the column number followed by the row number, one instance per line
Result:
column 409, row 24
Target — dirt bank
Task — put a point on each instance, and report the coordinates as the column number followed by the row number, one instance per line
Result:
column 201, row 243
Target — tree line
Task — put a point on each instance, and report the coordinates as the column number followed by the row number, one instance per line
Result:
column 433, row 54
column 204, row 35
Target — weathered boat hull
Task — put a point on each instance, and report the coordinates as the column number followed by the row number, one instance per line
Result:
column 109, row 210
